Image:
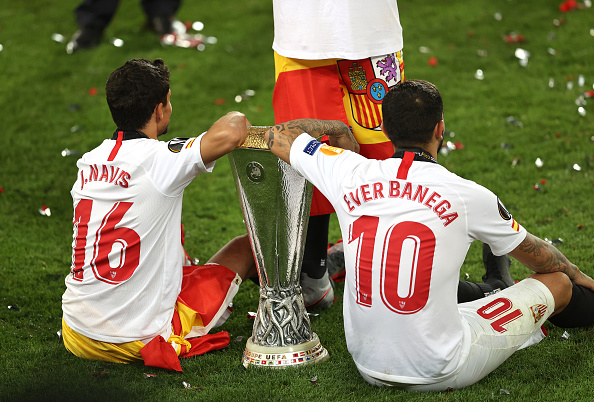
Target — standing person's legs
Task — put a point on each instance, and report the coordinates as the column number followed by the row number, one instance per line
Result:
column 311, row 89
column 95, row 14
column 161, row 14
column 92, row 17
column 317, row 288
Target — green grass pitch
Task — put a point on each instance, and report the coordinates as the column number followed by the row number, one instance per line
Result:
column 48, row 105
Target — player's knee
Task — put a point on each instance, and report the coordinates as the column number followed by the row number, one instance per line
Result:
column 560, row 286
column 245, row 238
column 566, row 289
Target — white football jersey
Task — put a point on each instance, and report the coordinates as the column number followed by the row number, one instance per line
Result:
column 407, row 225
column 127, row 254
column 336, row 29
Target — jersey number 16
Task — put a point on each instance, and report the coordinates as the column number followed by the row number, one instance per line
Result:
column 116, row 251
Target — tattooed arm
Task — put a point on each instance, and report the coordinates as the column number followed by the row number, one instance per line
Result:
column 541, row 257
column 280, row 137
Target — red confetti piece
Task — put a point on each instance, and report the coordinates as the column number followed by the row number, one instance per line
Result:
column 44, row 210
column 558, row 135
column 567, row 6
column 219, row 101
column 589, row 94
column 1, row 190
column 514, row 38
column 543, row 181
column 93, row 91
column 459, row 145
column 432, row 61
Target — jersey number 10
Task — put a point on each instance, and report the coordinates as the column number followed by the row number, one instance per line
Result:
column 407, row 261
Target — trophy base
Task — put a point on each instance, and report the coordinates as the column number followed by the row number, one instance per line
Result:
column 284, row 356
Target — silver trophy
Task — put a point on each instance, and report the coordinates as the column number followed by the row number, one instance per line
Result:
column 275, row 201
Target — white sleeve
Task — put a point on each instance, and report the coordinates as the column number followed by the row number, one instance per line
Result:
column 177, row 163
column 491, row 223
column 324, row 166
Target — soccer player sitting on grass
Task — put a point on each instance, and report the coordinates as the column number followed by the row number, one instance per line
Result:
column 407, row 224
column 129, row 296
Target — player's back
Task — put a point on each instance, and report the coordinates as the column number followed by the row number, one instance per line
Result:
column 127, row 242
column 407, row 224
column 407, row 238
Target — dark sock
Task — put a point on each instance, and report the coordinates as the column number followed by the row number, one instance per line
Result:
column 469, row 291
column 496, row 278
column 580, row 310
column 316, row 247
column 496, row 268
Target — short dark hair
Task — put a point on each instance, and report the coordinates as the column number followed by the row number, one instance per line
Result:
column 410, row 111
column 134, row 90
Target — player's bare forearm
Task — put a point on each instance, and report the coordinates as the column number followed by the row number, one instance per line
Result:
column 543, row 258
column 338, row 132
column 280, row 137
column 224, row 136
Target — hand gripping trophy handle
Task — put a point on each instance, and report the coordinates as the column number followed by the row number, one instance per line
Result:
column 275, row 201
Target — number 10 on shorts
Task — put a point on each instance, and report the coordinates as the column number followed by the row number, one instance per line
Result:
column 499, row 311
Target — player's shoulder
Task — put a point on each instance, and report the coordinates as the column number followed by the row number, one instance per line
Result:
column 99, row 152
column 451, row 177
column 463, row 187
column 148, row 148
column 177, row 144
column 472, row 192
